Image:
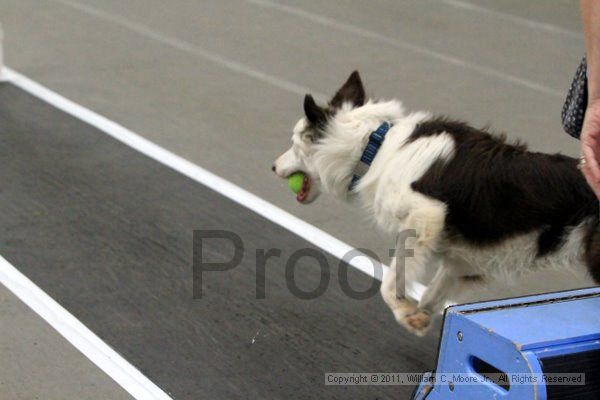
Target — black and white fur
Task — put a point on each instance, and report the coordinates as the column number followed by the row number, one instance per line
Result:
column 483, row 209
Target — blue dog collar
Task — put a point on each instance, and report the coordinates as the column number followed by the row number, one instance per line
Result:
column 376, row 139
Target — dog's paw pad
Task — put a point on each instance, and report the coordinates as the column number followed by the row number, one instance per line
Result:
column 418, row 323
column 402, row 308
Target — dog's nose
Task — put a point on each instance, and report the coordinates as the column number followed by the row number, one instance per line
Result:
column 273, row 168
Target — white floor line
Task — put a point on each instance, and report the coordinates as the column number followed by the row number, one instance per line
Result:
column 241, row 196
column 190, row 48
column 465, row 5
column 109, row 361
column 399, row 43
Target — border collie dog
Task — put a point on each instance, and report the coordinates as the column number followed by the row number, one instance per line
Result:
column 480, row 209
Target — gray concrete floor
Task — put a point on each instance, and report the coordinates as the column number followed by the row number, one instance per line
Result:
column 37, row 363
column 220, row 82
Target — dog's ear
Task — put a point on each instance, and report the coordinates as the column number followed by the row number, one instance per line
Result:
column 315, row 114
column 351, row 92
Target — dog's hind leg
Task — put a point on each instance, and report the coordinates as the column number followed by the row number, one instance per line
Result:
column 441, row 288
column 454, row 281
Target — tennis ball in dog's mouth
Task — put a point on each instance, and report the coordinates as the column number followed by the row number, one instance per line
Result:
column 295, row 181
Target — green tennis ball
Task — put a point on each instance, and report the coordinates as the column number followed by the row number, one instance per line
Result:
column 295, row 181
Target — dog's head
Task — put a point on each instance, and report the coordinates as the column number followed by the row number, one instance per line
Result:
column 309, row 132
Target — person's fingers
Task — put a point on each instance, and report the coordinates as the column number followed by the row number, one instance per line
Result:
column 591, row 162
column 587, row 175
column 590, row 146
column 585, row 169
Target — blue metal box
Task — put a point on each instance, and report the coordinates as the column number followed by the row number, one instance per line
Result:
column 542, row 335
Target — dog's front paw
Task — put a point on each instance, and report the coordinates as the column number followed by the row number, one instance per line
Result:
column 411, row 317
column 418, row 322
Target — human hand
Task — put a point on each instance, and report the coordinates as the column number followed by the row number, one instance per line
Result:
column 590, row 146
